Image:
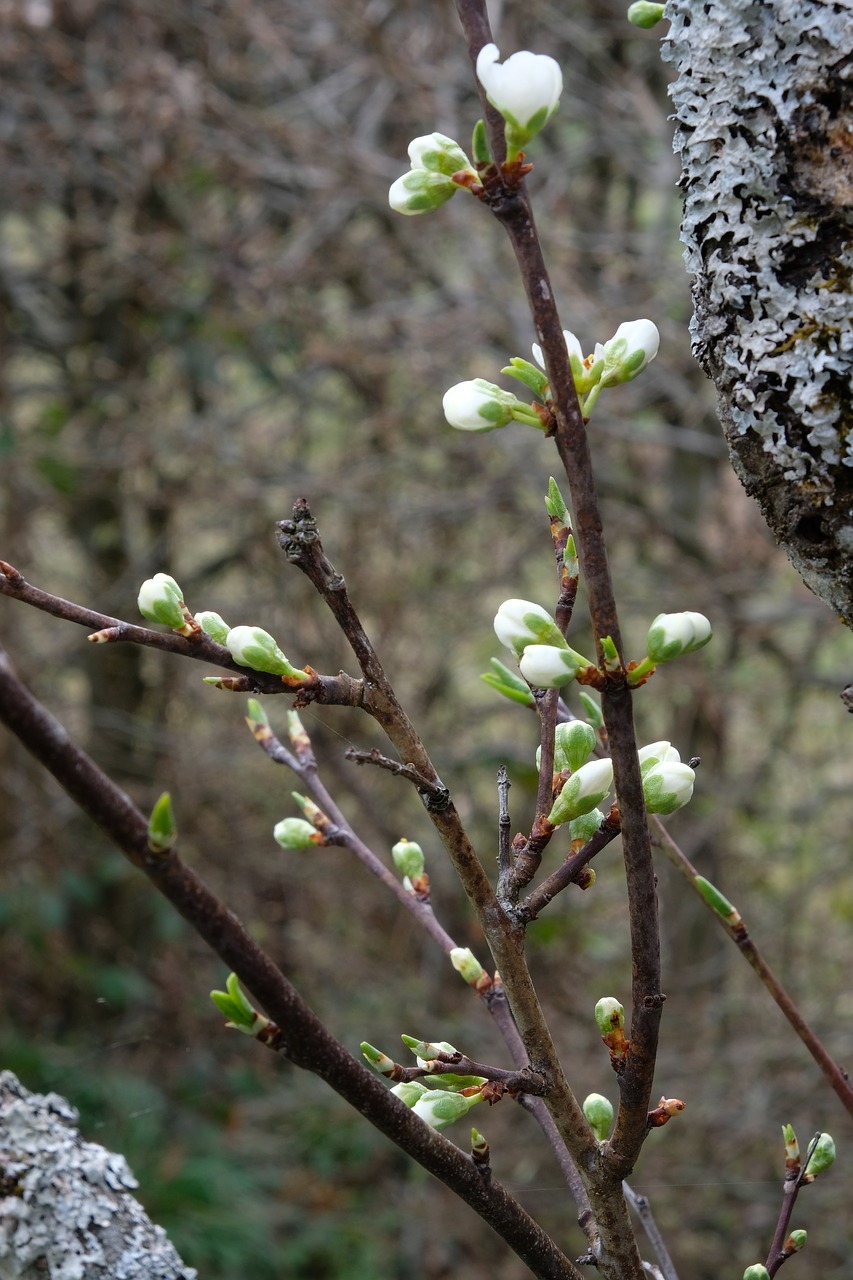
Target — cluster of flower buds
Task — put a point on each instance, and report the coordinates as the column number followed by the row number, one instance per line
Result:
column 439, row 169
column 545, row 659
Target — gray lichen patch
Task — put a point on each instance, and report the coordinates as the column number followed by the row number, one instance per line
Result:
column 764, row 109
column 66, row 1212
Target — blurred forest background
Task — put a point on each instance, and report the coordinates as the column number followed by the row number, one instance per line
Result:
column 207, row 310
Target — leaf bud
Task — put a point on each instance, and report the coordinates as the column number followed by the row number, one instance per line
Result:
column 609, row 1015
column 508, row 683
column 162, row 830
column 795, row 1241
column 296, row 833
column 821, row 1157
column 468, row 966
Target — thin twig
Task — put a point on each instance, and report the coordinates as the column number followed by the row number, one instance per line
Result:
column 643, row 1209
column 532, row 906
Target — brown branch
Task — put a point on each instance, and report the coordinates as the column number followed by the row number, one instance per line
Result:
column 569, row 872
column 305, row 1040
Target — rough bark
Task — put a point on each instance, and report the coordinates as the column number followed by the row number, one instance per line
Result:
column 764, row 110
column 66, row 1211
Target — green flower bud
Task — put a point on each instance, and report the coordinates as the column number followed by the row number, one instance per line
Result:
column 162, row 831
column 253, row 647
column 408, row 858
column 668, row 786
column 645, row 14
column 296, row 833
column 574, row 743
column 599, row 1113
column 821, row 1158
column 609, row 1015
column 213, row 625
column 585, row 827
column 439, row 1109
column 438, row 154
column 161, row 600
column 421, row 191
column 757, row 1271
column 467, row 965
column 584, row 791
column 796, row 1241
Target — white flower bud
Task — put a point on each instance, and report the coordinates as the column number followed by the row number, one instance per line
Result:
column 672, row 634
column 408, row 858
column 668, row 786
column 160, row 599
column 634, row 345
column 409, row 1091
column 253, row 647
column 525, row 90
column 296, row 833
column 438, row 154
column 466, row 965
column 584, row 791
column 547, row 667
column 213, row 625
column 657, row 753
column 420, row 191
column 519, row 623
column 481, row 406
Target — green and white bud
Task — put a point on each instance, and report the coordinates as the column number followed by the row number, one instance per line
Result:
column 547, row 667
column 161, row 600
column 757, row 1271
column 440, row 1109
column 213, row 625
column 586, row 370
column 438, row 154
column 508, row 683
column 256, row 717
column 609, row 1015
column 573, row 745
column 792, row 1147
column 657, row 753
column 296, row 833
column 408, row 858
column 420, row 191
column 795, row 1241
column 253, row 647
column 519, row 623
column 821, row 1157
column 479, row 405
column 668, row 786
column 409, row 1091
column 584, row 791
column 645, row 14
column 599, row 1113
column 162, row 830
column 378, row 1060
column 467, row 965
column 525, row 90
column 633, row 346
column 673, row 634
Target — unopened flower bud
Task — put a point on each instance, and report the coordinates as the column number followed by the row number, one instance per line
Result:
column 467, row 965
column 673, row 634
column 213, row 625
column 519, row 623
column 584, row 791
column 757, row 1271
column 584, row 828
column 599, row 1113
column 609, row 1015
column 409, row 1091
column 821, row 1157
column 643, row 13
column 633, row 346
column 420, row 191
column 296, row 833
column 161, row 600
column 547, row 667
column 657, row 753
column 573, row 745
column 479, row 405
column 439, row 1109
column 668, row 786
column 795, row 1241
column 408, row 858
column 438, row 154
column 525, row 90
column 253, row 647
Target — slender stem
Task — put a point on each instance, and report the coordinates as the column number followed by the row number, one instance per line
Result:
column 305, row 1041
column 837, row 1077
column 640, row 1205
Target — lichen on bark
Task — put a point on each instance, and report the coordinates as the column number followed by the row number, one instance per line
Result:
column 764, row 109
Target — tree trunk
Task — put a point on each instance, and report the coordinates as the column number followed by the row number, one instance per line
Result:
column 764, row 111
